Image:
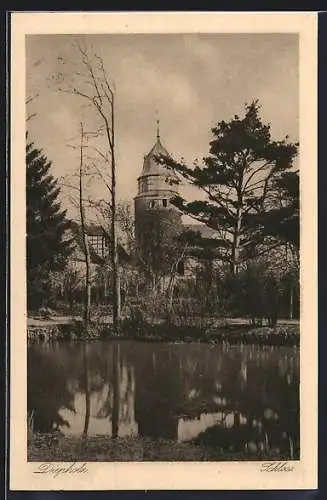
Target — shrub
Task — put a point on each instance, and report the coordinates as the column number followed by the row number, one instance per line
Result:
column 135, row 325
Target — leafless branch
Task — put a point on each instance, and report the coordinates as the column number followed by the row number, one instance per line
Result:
column 31, row 99
column 104, row 180
column 30, row 116
column 97, row 150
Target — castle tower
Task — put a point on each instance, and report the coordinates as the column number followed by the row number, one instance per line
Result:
column 154, row 191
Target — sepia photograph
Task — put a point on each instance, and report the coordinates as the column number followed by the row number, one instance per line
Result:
column 163, row 252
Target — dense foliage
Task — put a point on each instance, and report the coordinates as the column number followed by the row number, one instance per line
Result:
column 240, row 176
column 252, row 203
column 47, row 245
column 282, row 219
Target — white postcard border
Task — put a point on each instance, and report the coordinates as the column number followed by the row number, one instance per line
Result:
column 181, row 475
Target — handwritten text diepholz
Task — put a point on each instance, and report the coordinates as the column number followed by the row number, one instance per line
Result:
column 57, row 470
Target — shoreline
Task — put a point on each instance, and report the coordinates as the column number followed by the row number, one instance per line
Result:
column 243, row 333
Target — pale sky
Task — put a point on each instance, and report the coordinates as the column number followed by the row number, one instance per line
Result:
column 193, row 81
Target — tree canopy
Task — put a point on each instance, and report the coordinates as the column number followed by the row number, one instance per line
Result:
column 282, row 221
column 239, row 177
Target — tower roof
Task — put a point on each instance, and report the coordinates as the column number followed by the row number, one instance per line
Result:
column 150, row 165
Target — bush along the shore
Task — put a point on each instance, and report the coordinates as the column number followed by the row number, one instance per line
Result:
column 137, row 328
column 278, row 336
column 45, row 333
column 70, row 331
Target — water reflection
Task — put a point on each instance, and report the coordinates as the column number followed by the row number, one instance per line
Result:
column 233, row 398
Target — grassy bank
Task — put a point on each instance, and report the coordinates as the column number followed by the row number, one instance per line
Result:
column 42, row 448
column 283, row 334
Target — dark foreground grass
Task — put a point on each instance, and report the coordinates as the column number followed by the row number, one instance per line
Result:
column 43, row 448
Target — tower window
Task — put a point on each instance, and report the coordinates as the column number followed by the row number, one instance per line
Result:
column 164, row 202
column 143, row 185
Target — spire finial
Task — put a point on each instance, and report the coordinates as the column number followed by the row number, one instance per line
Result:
column 158, row 124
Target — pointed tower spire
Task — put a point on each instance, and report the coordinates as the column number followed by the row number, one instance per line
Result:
column 158, row 124
column 158, row 131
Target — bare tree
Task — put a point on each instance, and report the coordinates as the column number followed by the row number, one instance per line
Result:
column 32, row 93
column 92, row 85
column 86, row 248
column 182, row 249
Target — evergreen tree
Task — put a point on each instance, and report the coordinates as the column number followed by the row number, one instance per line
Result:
column 47, row 245
column 282, row 220
column 238, row 178
column 274, row 238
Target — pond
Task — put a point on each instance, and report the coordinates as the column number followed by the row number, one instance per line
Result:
column 233, row 397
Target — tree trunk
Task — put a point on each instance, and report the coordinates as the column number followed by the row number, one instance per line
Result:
column 86, row 249
column 170, row 297
column 291, row 310
column 170, row 293
column 172, row 282
column 114, row 247
column 236, row 242
column 154, row 283
column 105, row 289
column 208, row 273
column 115, row 277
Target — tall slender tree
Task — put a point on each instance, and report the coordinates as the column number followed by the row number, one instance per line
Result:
column 48, row 247
column 86, row 249
column 88, row 80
